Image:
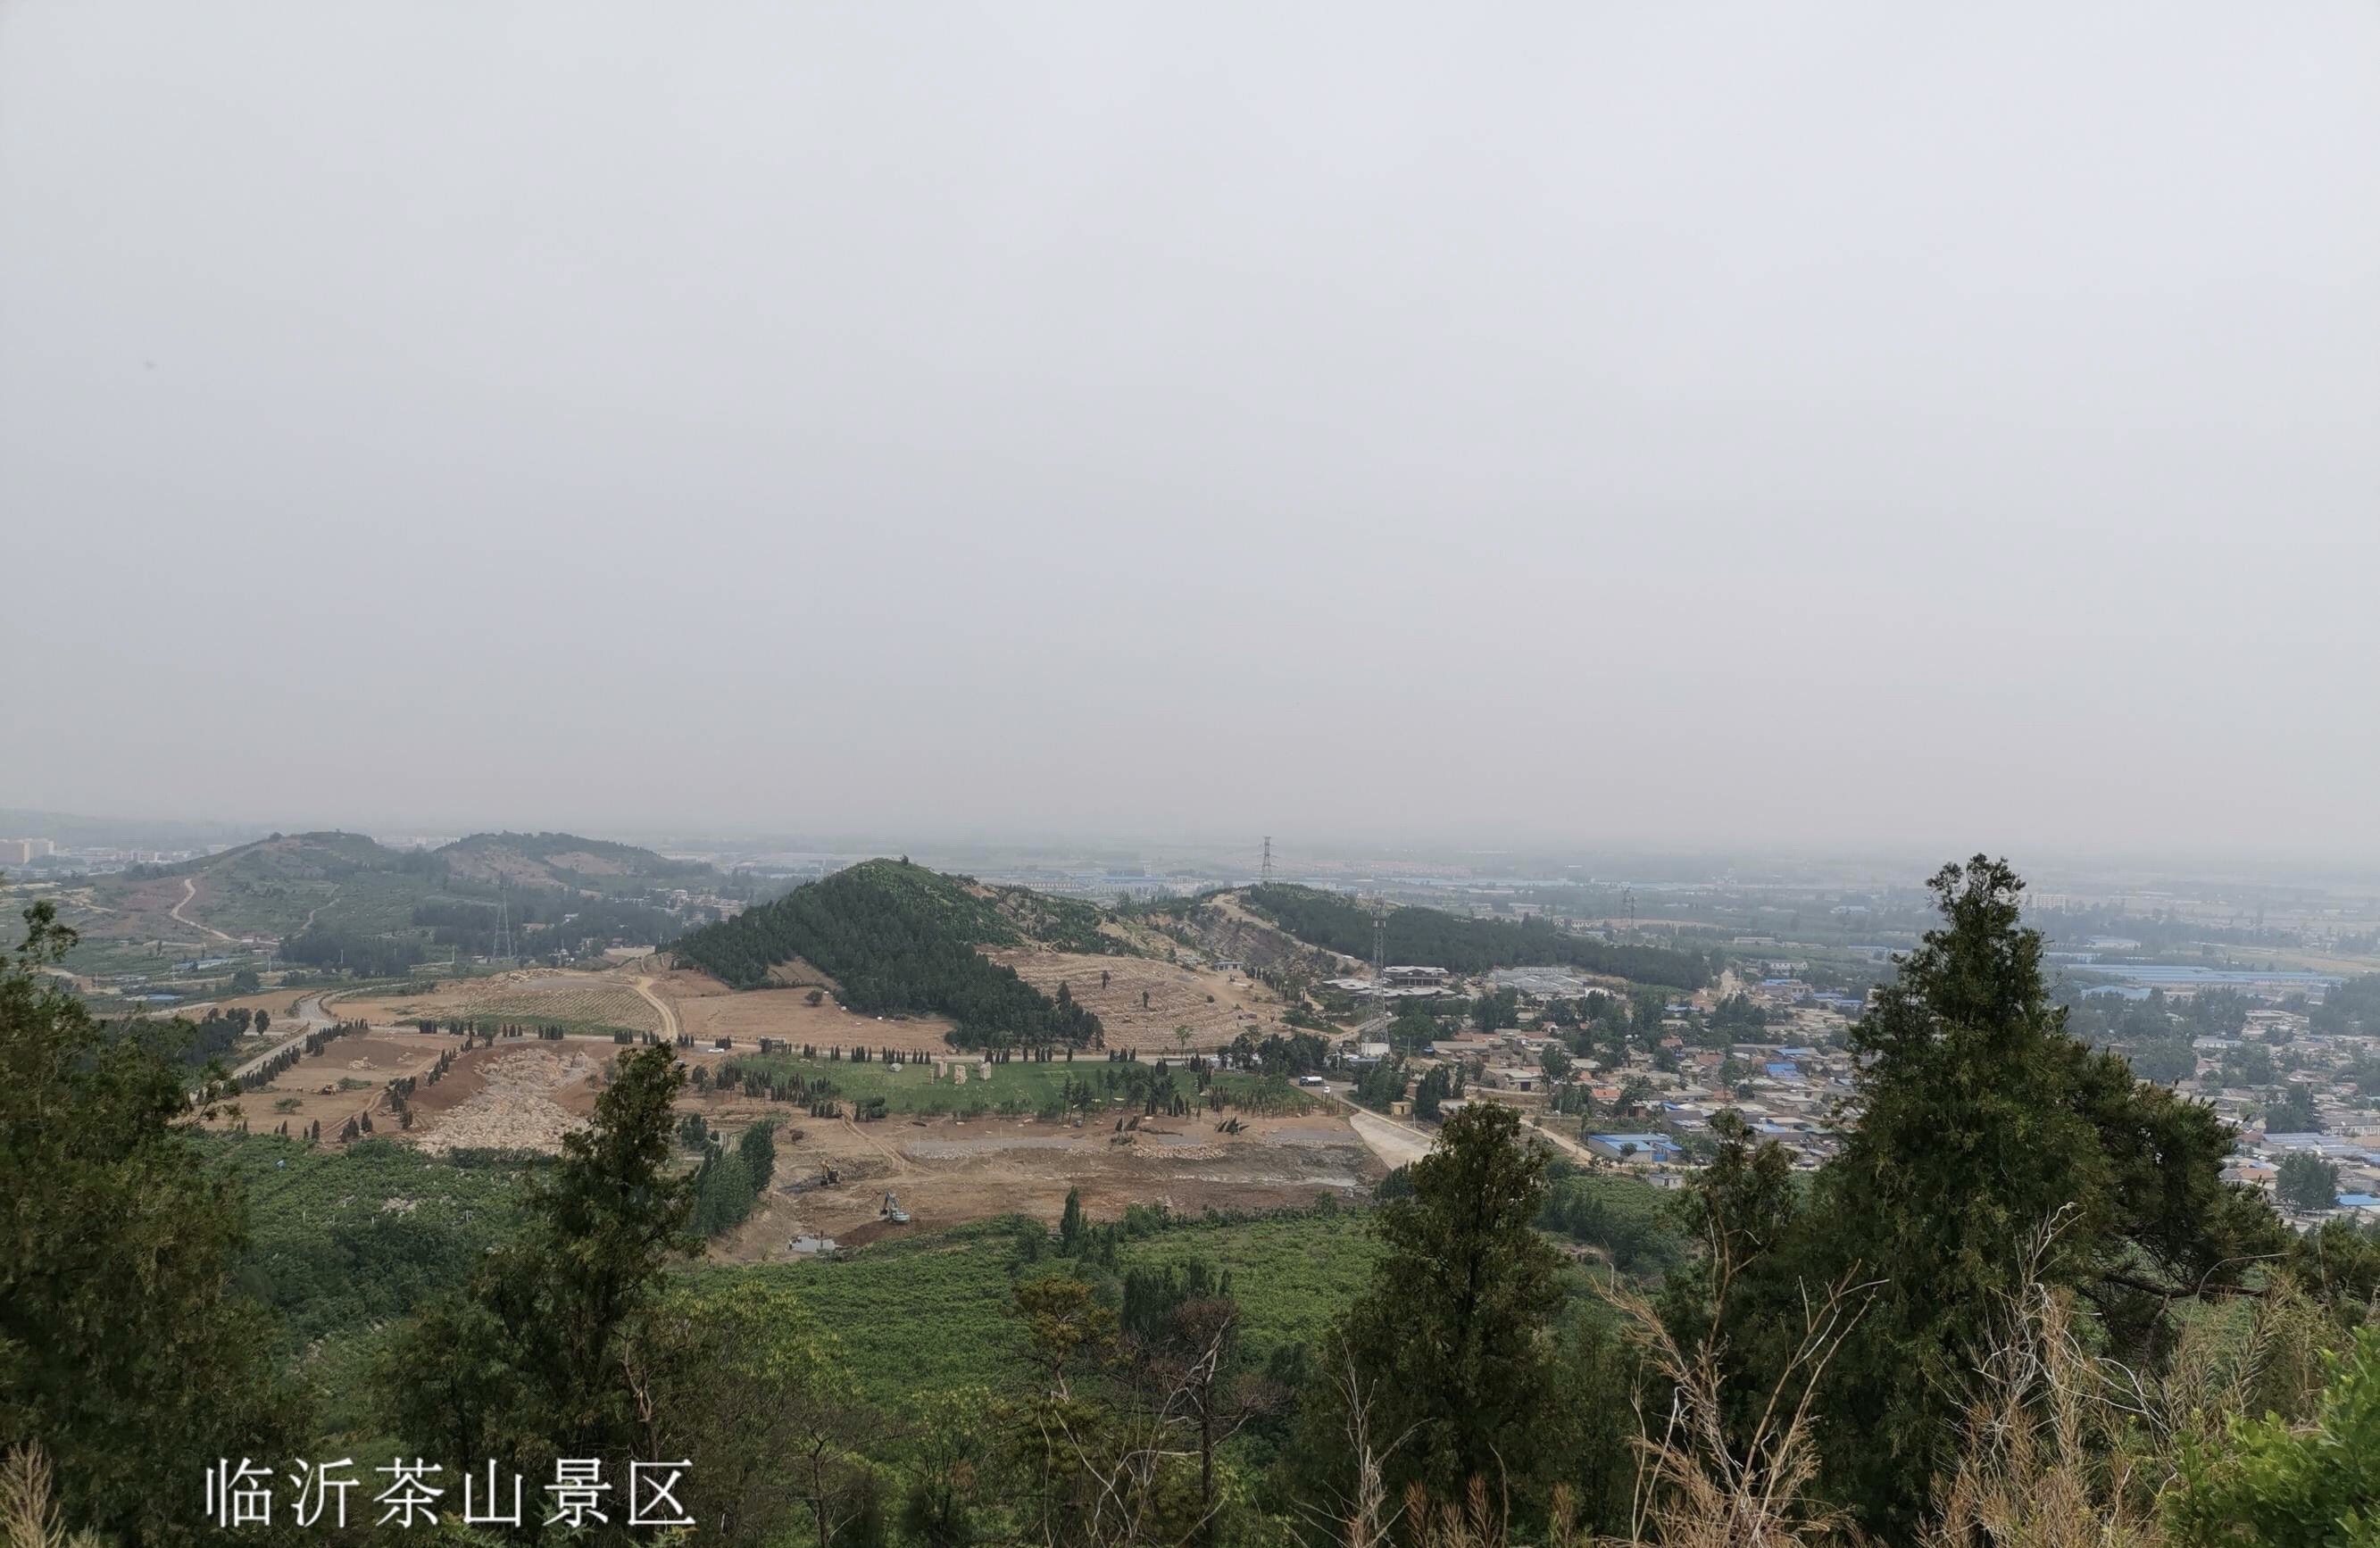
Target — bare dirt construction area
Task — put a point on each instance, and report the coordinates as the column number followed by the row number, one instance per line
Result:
column 1216, row 1007
column 606, row 1001
column 348, row 1078
column 946, row 1171
column 707, row 1009
column 521, row 1095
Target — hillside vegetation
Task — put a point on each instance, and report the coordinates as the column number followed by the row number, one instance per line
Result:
column 1431, row 938
column 2019, row 1305
column 1294, row 1271
column 562, row 860
column 338, row 900
column 896, row 939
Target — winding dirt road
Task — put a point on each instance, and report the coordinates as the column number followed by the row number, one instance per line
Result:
column 644, row 986
column 189, row 892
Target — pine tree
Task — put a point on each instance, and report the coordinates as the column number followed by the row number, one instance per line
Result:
column 759, row 1149
column 1984, row 1123
column 1070, row 1225
column 1453, row 1338
column 527, row 1364
column 126, row 1351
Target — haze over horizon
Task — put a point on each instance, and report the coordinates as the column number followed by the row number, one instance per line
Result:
column 1860, row 427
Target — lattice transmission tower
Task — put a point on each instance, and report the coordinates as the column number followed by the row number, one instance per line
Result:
column 503, row 940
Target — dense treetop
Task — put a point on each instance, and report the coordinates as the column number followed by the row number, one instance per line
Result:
column 1990, row 1138
column 125, row 1350
column 896, row 938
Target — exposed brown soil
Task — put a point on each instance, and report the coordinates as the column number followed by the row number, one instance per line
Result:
column 517, row 1096
column 944, row 1171
column 1216, row 1007
column 526, row 1093
column 529, row 995
column 355, row 1070
column 787, row 1013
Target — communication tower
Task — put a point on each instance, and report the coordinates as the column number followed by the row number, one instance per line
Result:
column 503, row 940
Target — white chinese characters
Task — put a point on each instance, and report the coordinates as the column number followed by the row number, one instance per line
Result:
column 246, row 1492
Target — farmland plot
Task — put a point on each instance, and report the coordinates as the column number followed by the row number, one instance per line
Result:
column 576, row 1001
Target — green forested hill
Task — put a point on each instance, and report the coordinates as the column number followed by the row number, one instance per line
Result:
column 897, row 938
column 1431, row 938
column 274, row 886
column 337, row 899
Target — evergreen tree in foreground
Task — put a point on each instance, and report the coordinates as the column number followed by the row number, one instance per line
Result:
column 1453, row 1341
column 529, row 1364
column 124, row 1352
column 1983, row 1123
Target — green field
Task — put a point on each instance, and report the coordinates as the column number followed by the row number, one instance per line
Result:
column 1024, row 1089
column 929, row 1312
column 339, row 1240
column 343, row 1244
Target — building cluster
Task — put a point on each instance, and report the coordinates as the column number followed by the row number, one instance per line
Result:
column 49, row 856
column 2285, row 1088
column 1398, row 983
column 2329, row 1077
column 1790, row 1079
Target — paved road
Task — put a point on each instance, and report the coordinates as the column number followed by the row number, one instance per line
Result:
column 1389, row 1140
column 1397, row 1143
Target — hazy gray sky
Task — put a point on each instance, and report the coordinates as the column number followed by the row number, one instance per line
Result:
column 1940, row 423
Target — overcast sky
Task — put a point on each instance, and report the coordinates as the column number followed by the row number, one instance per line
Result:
column 1947, row 424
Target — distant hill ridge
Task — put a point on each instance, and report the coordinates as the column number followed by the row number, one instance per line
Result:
column 539, row 859
column 336, row 899
column 1434, row 938
column 560, row 860
column 899, row 939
